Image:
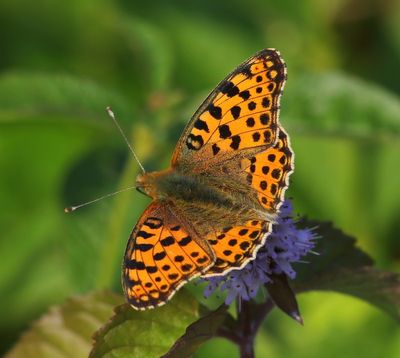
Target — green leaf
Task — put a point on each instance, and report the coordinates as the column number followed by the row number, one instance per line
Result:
column 67, row 330
column 377, row 287
column 40, row 96
column 336, row 104
column 148, row 333
column 199, row 332
column 342, row 267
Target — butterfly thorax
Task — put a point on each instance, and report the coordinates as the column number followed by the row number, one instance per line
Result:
column 170, row 184
column 200, row 199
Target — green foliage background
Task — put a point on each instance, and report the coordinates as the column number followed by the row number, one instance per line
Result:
column 62, row 63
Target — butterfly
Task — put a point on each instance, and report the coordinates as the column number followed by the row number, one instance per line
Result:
column 215, row 206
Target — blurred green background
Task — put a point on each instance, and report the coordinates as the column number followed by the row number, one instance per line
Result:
column 62, row 63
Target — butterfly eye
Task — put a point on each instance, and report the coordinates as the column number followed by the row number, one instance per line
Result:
column 141, row 190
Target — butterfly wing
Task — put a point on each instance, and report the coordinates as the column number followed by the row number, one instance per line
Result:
column 241, row 113
column 239, row 124
column 162, row 254
column 267, row 173
column 235, row 246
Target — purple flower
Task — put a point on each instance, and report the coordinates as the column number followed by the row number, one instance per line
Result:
column 285, row 245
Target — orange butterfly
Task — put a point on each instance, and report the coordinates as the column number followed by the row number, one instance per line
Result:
column 214, row 207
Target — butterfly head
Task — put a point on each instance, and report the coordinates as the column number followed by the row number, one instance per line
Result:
column 143, row 184
column 146, row 184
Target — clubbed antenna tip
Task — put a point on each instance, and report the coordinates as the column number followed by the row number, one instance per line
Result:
column 112, row 116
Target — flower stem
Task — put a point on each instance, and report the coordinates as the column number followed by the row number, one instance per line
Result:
column 261, row 311
column 247, row 350
column 247, row 334
column 250, row 318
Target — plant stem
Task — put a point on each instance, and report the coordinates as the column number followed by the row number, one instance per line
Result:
column 247, row 350
column 248, row 334
column 261, row 312
column 250, row 318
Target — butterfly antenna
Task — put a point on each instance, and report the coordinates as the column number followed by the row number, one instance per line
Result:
column 111, row 114
column 73, row 208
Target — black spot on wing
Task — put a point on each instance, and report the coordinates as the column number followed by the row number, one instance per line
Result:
column 201, row 125
column 153, row 223
column 246, row 70
column 250, row 122
column 254, row 234
column 215, row 111
column 130, row 264
column 202, row 260
column 271, row 157
column 224, row 131
column 276, row 173
column 144, row 234
column 186, row 267
column 179, row 258
column 235, row 111
column 264, row 118
column 215, row 149
column 232, row 242
column 244, row 245
column 151, row 269
column 245, row 95
column 134, row 265
column 266, row 102
column 228, row 88
column 252, row 106
column 186, row 240
column 132, row 283
column 267, row 136
column 256, row 136
column 159, row 255
column 194, row 142
column 143, row 247
column 235, row 142
column 168, row 241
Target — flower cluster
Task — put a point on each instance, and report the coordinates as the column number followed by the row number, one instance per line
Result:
column 285, row 245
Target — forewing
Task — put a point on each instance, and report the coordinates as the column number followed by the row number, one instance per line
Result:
column 241, row 113
column 161, row 256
